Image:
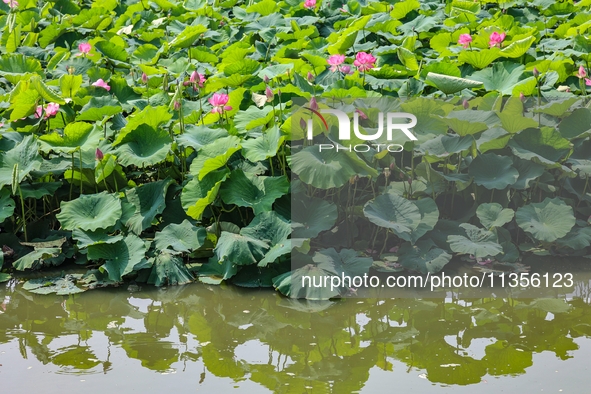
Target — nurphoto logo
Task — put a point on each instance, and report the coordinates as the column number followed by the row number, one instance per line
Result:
column 349, row 117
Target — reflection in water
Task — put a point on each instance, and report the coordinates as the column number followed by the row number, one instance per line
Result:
column 286, row 345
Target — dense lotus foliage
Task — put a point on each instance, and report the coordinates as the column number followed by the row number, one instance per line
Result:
column 152, row 140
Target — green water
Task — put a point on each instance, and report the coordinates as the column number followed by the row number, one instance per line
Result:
column 200, row 338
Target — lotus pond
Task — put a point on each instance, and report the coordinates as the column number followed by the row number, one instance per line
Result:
column 213, row 338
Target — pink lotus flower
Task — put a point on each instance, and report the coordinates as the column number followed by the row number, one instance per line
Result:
column 197, row 79
column 38, row 111
column 11, row 3
column 346, row 69
column 465, row 40
column 587, row 81
column 51, row 109
column 84, row 47
column 309, row 4
column 582, row 73
column 219, row 101
column 496, row 39
column 364, row 61
column 361, row 114
column 98, row 154
column 102, row 84
column 335, row 61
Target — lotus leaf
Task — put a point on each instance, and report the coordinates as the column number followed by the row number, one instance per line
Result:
column 546, row 221
column 90, row 212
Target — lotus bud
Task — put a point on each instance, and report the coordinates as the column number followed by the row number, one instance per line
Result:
column 303, row 124
column 177, row 105
column 521, row 97
column 466, row 104
column 266, row 79
column 392, row 166
column 98, row 154
column 269, row 94
column 310, row 77
column 144, row 78
column 409, row 180
column 536, row 72
column 313, row 104
column 71, row 70
column 393, row 249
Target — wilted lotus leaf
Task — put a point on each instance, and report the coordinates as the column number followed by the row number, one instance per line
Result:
column 477, row 242
column 493, row 171
column 546, row 221
column 493, row 215
column 90, row 212
column 60, row 285
column 168, row 269
column 183, row 237
column 38, row 256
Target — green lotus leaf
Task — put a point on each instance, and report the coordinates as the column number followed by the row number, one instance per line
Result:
column 450, row 85
column 168, row 269
column 493, row 171
column 150, row 116
column 39, row 189
column 545, row 146
column 446, row 145
column 576, row 124
column 480, row 59
column 121, row 258
column 149, row 200
column 198, row 194
column 327, row 169
column 89, row 238
column 423, row 257
column 60, row 285
column 111, row 50
column 394, row 212
column 478, row 242
column 183, row 237
column 528, row 171
column 76, row 135
column 23, row 100
column 44, row 91
column 429, row 218
column 258, row 192
column 493, row 215
column 6, row 205
column 19, row 161
column 239, row 249
column 214, row 156
column 188, row 36
column 215, row 272
column 90, row 212
column 197, row 137
column 310, row 216
column 469, row 122
column 546, row 221
column 272, row 229
column 16, row 67
column 501, row 77
column 143, row 147
column 99, row 107
column 263, row 147
column 518, row 48
column 4, row 277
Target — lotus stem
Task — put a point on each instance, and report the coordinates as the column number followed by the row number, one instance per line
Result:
column 20, row 193
column 80, row 151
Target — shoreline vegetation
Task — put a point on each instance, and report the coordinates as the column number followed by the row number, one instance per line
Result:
column 158, row 142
